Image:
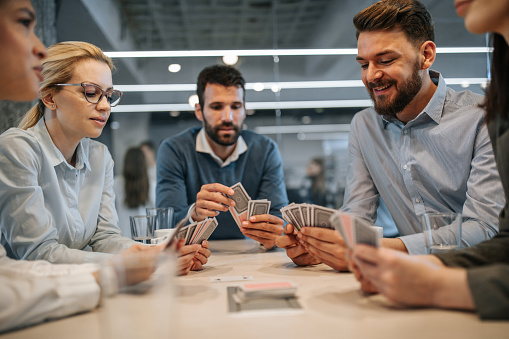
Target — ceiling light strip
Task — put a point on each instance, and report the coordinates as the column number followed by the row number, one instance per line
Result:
column 293, row 129
column 282, row 85
column 251, row 105
column 270, row 52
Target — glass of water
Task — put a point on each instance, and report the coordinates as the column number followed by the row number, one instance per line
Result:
column 142, row 228
column 163, row 217
column 442, row 231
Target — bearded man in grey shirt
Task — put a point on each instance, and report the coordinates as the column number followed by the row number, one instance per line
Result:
column 422, row 148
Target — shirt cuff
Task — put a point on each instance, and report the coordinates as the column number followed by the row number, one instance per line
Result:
column 414, row 243
column 190, row 212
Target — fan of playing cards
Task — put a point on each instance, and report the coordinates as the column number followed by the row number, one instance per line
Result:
column 244, row 207
column 196, row 232
column 355, row 230
column 301, row 215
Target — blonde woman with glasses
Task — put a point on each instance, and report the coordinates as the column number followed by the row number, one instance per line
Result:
column 56, row 184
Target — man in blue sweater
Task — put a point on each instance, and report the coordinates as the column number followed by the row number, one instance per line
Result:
column 196, row 168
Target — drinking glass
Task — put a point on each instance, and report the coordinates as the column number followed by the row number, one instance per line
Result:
column 442, row 231
column 163, row 217
column 142, row 228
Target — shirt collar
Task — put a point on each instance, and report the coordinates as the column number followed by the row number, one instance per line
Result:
column 203, row 146
column 434, row 108
column 53, row 153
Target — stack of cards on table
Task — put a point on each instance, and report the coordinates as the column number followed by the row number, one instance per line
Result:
column 196, row 232
column 278, row 289
column 244, row 207
column 355, row 230
column 301, row 215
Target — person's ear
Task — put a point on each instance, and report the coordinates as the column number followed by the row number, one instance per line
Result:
column 198, row 112
column 49, row 101
column 427, row 54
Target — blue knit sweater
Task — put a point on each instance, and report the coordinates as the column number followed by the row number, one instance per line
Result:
column 181, row 171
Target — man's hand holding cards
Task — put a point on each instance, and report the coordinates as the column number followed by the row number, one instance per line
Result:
column 253, row 218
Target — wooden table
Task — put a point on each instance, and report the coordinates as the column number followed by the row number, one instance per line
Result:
column 333, row 307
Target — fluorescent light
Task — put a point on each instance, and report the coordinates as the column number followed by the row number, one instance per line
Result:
column 250, row 105
column 294, row 129
column 174, row 68
column 193, row 100
column 458, row 50
column 322, row 136
column 257, row 87
column 157, row 88
column 243, row 52
column 230, row 59
column 270, row 52
column 281, row 85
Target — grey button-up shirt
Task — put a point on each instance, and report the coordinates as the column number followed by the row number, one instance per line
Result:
column 440, row 161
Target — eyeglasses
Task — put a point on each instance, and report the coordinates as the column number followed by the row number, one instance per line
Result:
column 93, row 93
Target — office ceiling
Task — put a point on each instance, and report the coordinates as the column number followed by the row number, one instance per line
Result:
column 152, row 25
column 221, row 24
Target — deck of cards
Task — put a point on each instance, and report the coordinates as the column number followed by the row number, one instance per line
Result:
column 302, row 215
column 355, row 230
column 244, row 207
column 196, row 232
column 278, row 289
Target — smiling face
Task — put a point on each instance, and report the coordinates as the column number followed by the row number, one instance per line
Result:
column 73, row 117
column 21, row 65
column 391, row 70
column 482, row 16
column 223, row 113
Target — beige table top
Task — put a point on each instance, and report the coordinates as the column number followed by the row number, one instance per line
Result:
column 332, row 307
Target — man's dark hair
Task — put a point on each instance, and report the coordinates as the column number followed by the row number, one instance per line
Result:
column 222, row 75
column 410, row 16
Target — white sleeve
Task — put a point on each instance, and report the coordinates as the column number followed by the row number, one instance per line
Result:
column 34, row 291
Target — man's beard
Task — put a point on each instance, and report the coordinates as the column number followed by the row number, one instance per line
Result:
column 213, row 133
column 406, row 93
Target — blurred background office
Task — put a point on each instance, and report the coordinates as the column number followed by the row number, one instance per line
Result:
column 298, row 57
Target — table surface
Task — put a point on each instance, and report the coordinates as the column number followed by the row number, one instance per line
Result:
column 332, row 307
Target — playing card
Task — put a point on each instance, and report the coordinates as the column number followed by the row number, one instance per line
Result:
column 304, row 211
column 241, row 198
column 207, row 232
column 258, row 207
column 182, row 232
column 337, row 222
column 295, row 212
column 365, row 234
column 349, row 229
column 288, row 217
column 321, row 217
column 199, row 229
column 190, row 232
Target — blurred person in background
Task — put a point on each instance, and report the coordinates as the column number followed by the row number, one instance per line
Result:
column 314, row 190
column 133, row 190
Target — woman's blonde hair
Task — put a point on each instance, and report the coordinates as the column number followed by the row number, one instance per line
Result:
column 58, row 68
